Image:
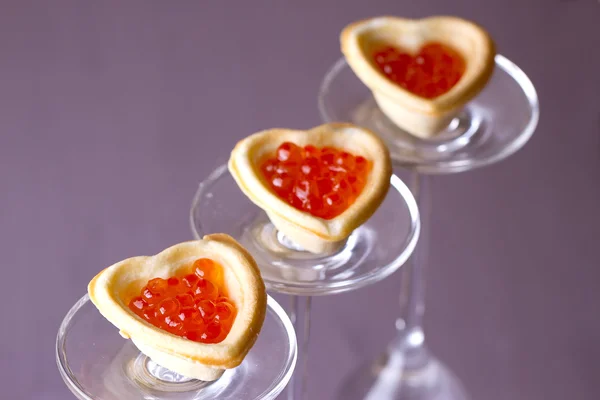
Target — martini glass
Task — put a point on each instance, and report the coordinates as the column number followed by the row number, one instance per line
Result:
column 371, row 253
column 494, row 125
column 97, row 363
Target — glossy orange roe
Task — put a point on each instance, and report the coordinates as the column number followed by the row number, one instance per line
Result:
column 193, row 304
column 430, row 73
column 321, row 181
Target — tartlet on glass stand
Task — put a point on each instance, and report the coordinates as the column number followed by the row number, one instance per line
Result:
column 435, row 91
column 195, row 314
column 319, row 210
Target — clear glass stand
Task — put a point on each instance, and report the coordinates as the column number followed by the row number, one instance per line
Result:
column 491, row 127
column 494, row 125
column 97, row 363
column 373, row 251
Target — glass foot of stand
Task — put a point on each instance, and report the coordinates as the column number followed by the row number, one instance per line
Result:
column 97, row 363
column 373, row 252
column 387, row 378
column 494, row 125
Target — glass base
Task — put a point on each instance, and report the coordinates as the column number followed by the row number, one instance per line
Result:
column 373, row 251
column 97, row 363
column 494, row 125
column 389, row 378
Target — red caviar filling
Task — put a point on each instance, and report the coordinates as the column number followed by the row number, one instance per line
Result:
column 193, row 305
column 434, row 70
column 321, row 181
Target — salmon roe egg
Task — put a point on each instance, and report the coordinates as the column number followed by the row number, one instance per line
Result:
column 193, row 305
column 434, row 70
column 321, row 181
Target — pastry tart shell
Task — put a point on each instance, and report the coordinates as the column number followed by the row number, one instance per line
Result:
column 314, row 234
column 420, row 116
column 113, row 288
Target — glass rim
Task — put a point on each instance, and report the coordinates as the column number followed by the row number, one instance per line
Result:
column 334, row 287
column 80, row 392
column 460, row 165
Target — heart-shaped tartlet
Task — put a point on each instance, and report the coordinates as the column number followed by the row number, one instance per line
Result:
column 316, row 186
column 421, row 72
column 196, row 308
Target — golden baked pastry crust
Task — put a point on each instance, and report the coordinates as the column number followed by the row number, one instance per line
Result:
column 359, row 41
column 112, row 289
column 313, row 233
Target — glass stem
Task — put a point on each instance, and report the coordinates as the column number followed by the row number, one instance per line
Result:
column 410, row 339
column 300, row 315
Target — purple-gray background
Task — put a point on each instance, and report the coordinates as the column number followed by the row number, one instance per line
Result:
column 111, row 113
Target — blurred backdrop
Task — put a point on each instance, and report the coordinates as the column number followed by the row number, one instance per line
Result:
column 112, row 112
